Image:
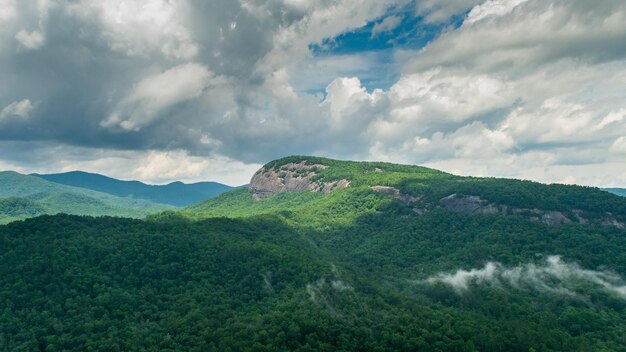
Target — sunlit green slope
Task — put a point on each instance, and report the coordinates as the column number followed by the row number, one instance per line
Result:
column 24, row 196
column 514, row 197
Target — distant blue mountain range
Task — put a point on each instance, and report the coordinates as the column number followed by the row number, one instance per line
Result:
column 618, row 191
column 177, row 193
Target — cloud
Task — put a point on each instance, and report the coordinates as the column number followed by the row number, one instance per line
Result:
column 529, row 89
column 20, row 109
column 441, row 11
column 153, row 95
column 535, row 33
column 492, row 8
column 553, row 276
column 160, row 167
column 151, row 166
column 139, row 28
column 7, row 10
column 388, row 24
column 344, row 97
column 316, row 73
column 30, row 40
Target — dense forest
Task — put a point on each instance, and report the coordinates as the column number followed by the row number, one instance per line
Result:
column 352, row 270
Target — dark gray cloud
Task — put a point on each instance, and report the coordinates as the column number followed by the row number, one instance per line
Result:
column 95, row 55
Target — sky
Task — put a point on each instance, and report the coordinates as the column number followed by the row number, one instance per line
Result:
column 190, row 90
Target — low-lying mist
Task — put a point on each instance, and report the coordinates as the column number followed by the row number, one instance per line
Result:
column 554, row 276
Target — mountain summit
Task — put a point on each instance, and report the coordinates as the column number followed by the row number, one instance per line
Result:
column 414, row 190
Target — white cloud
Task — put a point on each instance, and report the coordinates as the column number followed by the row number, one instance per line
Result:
column 30, row 40
column 554, row 276
column 345, row 97
column 440, row 11
column 492, row 8
column 388, row 24
column 568, row 180
column 151, row 96
column 151, row 166
column 619, row 146
column 448, row 94
column 7, row 10
column 142, row 27
column 159, row 167
column 20, row 109
column 536, row 33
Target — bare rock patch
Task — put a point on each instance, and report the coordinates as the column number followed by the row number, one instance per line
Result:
column 292, row 177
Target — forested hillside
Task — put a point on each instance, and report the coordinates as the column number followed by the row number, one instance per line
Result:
column 24, row 196
column 366, row 257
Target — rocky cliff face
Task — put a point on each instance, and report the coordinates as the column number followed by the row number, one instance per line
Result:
column 292, row 177
column 475, row 205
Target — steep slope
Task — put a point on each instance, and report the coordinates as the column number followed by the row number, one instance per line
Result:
column 388, row 258
column 176, row 193
column 24, row 196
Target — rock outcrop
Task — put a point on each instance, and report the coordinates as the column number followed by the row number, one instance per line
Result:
column 469, row 205
column 395, row 193
column 476, row 205
column 292, row 177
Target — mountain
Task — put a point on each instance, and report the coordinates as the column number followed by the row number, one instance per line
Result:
column 319, row 254
column 618, row 191
column 177, row 193
column 414, row 189
column 24, row 196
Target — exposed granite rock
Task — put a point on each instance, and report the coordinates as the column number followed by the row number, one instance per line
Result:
column 395, row 193
column 476, row 205
column 331, row 186
column 469, row 205
column 378, row 170
column 580, row 216
column 292, row 177
column 609, row 220
column 554, row 218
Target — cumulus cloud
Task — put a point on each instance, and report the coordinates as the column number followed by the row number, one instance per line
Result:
column 21, row 109
column 152, row 95
column 553, row 276
column 344, row 97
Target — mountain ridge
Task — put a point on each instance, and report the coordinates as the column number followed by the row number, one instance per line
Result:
column 418, row 189
column 23, row 196
column 174, row 193
column 616, row 191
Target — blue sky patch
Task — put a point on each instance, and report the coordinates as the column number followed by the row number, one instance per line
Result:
column 405, row 31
